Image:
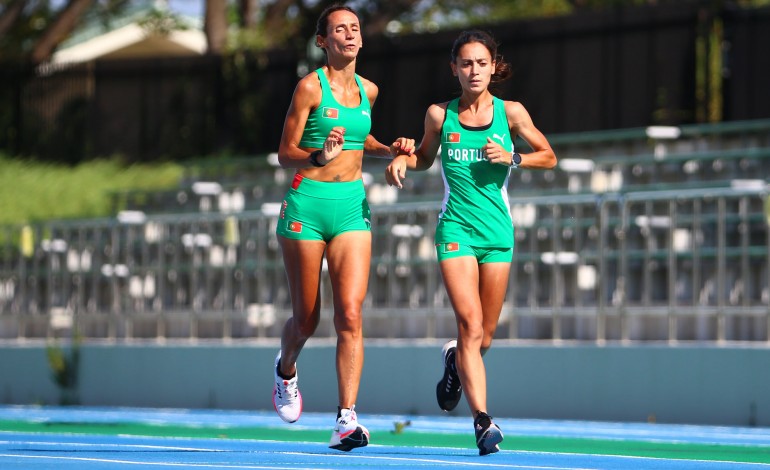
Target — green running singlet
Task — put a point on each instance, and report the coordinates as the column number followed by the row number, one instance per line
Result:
column 475, row 210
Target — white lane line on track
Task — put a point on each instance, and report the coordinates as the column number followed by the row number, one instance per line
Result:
column 676, row 461
column 159, row 464
column 96, row 444
column 422, row 460
column 415, row 461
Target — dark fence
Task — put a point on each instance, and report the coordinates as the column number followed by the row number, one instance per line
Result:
column 624, row 67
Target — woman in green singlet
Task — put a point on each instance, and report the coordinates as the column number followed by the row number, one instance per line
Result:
column 474, row 235
column 325, row 213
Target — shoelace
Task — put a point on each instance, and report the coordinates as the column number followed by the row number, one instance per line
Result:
column 291, row 389
column 450, row 378
column 449, row 383
column 287, row 386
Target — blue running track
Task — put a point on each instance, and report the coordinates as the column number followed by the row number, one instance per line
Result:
column 65, row 450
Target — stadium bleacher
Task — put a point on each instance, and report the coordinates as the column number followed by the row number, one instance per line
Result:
column 656, row 234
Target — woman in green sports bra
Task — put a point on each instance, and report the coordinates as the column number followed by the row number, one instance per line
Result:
column 474, row 235
column 325, row 213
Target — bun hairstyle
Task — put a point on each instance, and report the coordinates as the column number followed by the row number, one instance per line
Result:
column 502, row 68
column 323, row 21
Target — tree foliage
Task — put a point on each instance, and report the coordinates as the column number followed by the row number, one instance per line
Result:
column 34, row 28
column 268, row 23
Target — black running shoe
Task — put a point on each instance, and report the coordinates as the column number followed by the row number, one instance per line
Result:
column 449, row 390
column 488, row 434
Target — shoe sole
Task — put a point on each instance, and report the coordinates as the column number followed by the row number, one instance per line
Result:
column 357, row 438
column 494, row 450
column 489, row 440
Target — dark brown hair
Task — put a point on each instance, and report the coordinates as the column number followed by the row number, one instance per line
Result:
column 502, row 68
column 323, row 20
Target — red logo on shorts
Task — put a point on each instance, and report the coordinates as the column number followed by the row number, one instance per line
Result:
column 453, row 137
column 452, row 246
column 295, row 227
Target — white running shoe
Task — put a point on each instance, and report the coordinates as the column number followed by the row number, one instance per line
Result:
column 348, row 432
column 286, row 397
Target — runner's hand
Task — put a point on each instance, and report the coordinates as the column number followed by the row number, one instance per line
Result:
column 396, row 171
column 495, row 153
column 333, row 145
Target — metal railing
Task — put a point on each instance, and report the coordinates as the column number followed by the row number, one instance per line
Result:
column 687, row 265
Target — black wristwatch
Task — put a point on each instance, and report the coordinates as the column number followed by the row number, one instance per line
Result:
column 314, row 158
column 515, row 160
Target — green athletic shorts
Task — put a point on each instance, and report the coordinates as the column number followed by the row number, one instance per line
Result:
column 454, row 239
column 483, row 254
column 314, row 210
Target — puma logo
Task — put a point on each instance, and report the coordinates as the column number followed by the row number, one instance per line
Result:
column 501, row 138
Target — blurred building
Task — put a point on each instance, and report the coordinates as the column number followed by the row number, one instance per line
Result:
column 147, row 29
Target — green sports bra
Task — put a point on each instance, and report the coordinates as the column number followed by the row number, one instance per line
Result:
column 356, row 121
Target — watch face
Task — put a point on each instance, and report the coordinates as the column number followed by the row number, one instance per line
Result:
column 516, row 158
